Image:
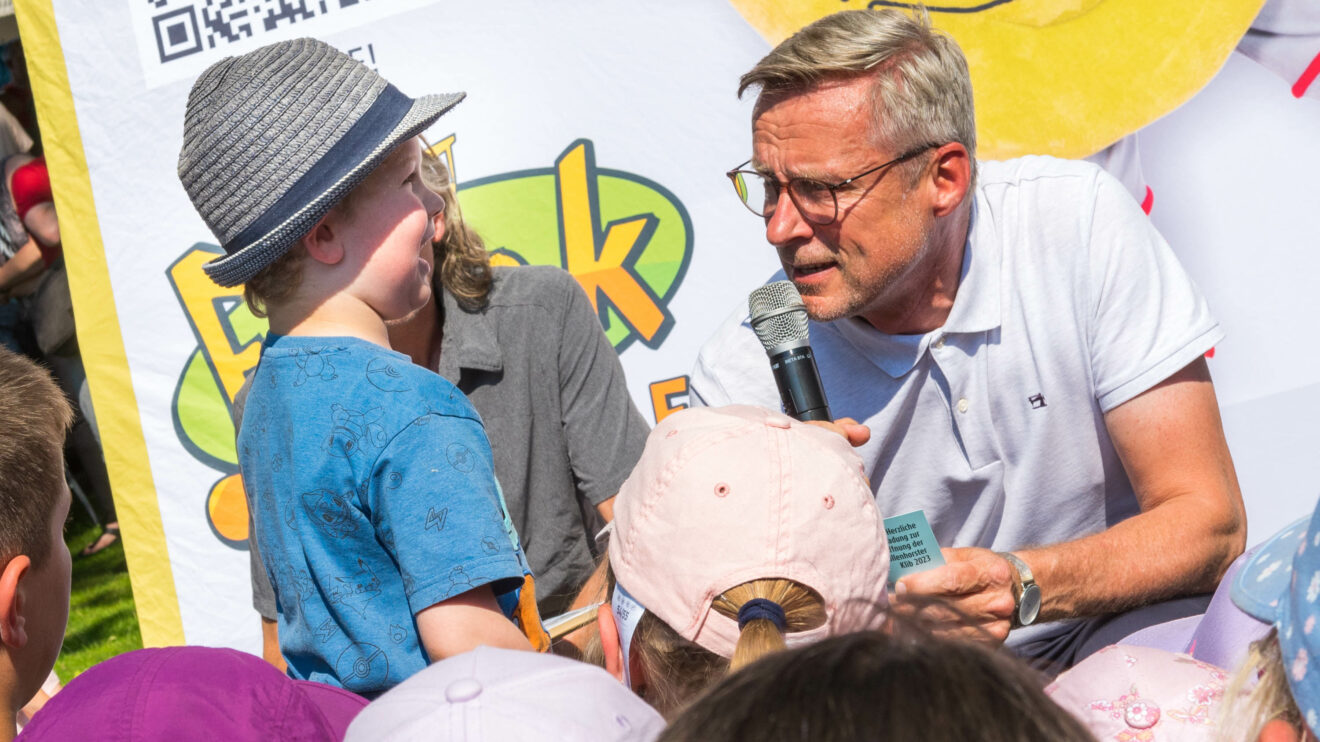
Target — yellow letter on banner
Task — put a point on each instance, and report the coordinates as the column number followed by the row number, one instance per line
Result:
column 199, row 294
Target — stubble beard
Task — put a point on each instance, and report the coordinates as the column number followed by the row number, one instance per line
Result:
column 859, row 295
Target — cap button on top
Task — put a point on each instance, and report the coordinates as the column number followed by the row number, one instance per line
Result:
column 462, row 691
column 778, row 422
column 1142, row 714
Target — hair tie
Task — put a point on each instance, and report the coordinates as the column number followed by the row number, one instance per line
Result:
column 757, row 608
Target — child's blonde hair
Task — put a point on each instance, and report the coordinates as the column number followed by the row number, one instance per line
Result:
column 677, row 670
column 1258, row 693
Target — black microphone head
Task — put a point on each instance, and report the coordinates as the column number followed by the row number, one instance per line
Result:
column 778, row 315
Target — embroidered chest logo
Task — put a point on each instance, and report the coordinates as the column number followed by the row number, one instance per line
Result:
column 1037, row 401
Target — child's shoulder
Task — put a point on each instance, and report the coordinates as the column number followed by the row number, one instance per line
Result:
column 356, row 371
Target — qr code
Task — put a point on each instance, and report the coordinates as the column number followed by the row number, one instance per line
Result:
column 187, row 27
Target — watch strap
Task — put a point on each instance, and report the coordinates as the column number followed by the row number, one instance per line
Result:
column 1025, row 580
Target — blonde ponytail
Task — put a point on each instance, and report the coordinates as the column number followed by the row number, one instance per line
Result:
column 677, row 670
column 802, row 609
column 1258, row 693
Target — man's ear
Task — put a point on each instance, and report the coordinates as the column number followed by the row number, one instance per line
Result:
column 609, row 641
column 12, row 632
column 951, row 176
column 322, row 242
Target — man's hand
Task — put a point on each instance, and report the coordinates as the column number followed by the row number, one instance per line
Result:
column 971, row 596
column 852, row 431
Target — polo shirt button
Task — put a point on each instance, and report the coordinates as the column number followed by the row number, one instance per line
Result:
column 939, row 343
column 963, row 405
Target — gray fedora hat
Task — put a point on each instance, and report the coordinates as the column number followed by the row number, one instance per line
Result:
column 272, row 139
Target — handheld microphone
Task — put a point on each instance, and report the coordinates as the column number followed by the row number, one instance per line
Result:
column 780, row 320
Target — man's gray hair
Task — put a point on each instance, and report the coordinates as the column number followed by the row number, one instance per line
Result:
column 923, row 91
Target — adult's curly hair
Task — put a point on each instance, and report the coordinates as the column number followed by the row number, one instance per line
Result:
column 463, row 265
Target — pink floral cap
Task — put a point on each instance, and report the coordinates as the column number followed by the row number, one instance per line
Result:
column 1141, row 694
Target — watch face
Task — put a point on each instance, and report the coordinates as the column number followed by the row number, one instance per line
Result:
column 1029, row 607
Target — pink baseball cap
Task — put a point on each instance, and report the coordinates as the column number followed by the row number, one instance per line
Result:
column 1129, row 692
column 726, row 495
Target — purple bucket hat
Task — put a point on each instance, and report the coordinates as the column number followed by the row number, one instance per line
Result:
column 193, row 693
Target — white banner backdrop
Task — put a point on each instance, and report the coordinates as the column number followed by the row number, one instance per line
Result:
column 637, row 101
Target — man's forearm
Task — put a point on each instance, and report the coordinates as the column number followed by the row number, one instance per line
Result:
column 1181, row 547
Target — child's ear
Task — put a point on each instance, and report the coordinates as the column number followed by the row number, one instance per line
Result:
column 612, row 647
column 609, row 641
column 12, row 631
column 322, row 241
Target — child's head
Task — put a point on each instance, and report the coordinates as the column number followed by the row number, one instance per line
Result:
column 740, row 532
column 872, row 685
column 34, row 501
column 275, row 138
column 1280, row 584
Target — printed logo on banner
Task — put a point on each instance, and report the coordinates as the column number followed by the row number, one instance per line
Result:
column 177, row 39
column 625, row 238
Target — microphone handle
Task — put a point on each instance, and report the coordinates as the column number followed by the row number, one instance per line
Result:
column 799, row 384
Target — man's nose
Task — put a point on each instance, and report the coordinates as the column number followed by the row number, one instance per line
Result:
column 786, row 224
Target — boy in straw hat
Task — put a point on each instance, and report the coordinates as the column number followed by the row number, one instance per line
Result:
column 370, row 479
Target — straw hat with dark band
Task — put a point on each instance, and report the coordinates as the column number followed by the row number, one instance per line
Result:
column 274, row 138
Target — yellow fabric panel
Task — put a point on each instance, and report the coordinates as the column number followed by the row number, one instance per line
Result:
column 99, row 335
column 1062, row 77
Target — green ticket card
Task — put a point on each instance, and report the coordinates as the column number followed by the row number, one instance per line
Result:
column 912, row 546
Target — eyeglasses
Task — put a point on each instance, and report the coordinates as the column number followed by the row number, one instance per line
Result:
column 816, row 200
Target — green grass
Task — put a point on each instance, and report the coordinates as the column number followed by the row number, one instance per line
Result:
column 102, row 616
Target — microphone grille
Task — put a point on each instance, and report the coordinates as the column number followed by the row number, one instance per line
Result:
column 778, row 314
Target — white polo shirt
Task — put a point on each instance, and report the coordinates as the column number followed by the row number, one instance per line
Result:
column 1070, row 304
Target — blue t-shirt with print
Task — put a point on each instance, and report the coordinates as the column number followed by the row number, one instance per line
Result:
column 373, row 496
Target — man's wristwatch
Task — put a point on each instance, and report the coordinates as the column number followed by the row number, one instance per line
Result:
column 1026, row 593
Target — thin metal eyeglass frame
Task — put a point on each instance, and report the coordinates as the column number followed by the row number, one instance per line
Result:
column 833, row 188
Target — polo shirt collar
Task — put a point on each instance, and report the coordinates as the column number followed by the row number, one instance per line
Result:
column 469, row 341
column 975, row 309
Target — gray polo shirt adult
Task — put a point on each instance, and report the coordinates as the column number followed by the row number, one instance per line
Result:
column 563, row 428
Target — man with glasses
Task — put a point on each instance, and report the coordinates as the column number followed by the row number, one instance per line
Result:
column 1022, row 344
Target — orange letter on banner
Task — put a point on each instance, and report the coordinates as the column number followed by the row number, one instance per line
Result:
column 662, row 394
column 604, row 273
